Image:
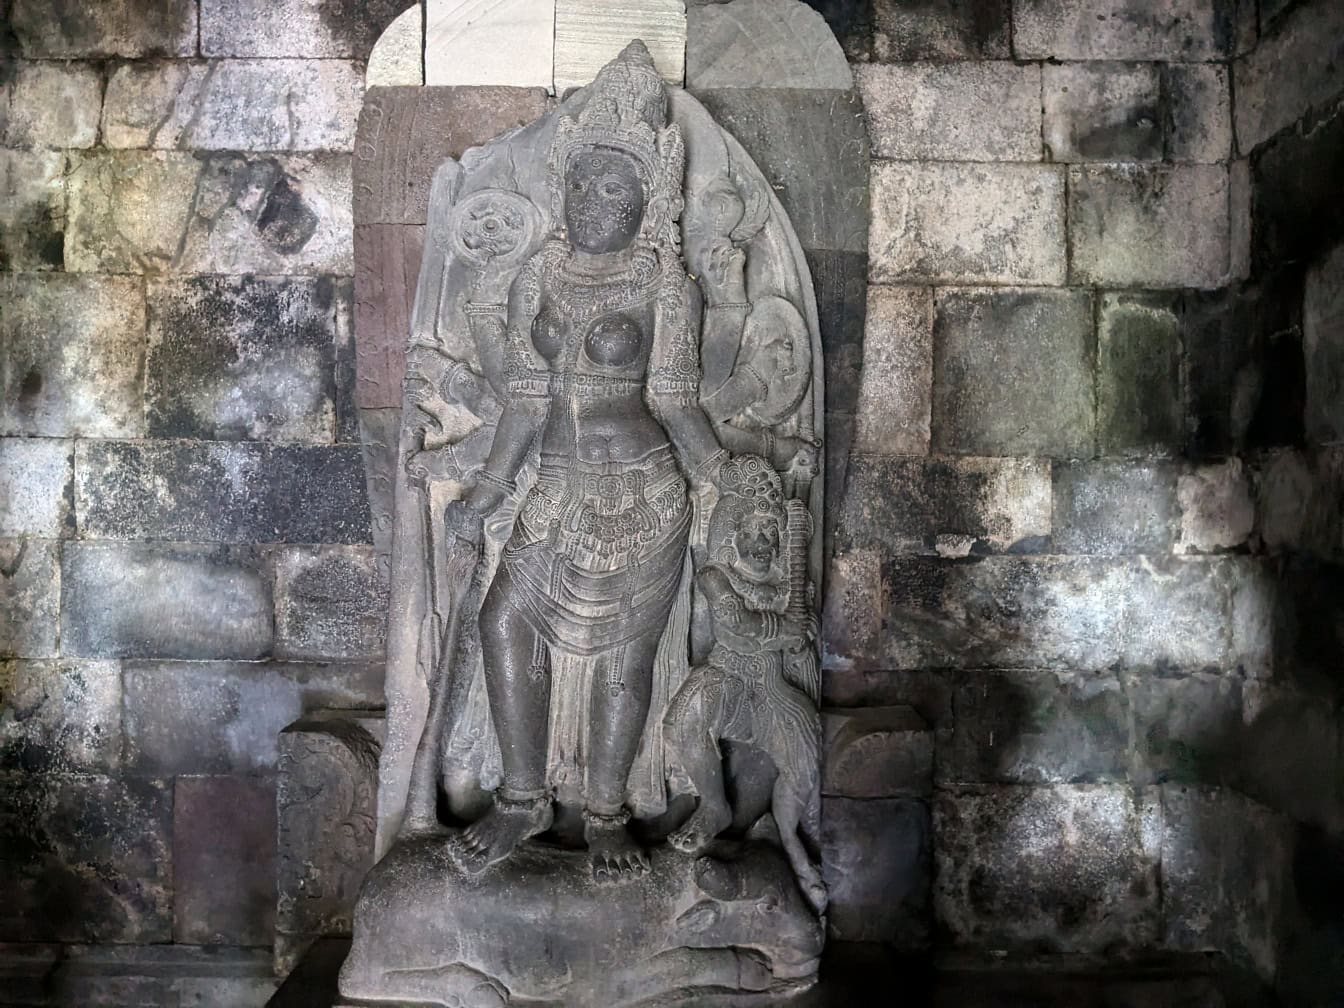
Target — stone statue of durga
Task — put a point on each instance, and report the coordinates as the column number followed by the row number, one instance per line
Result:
column 601, row 782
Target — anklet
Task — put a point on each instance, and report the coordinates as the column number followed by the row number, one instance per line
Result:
column 606, row 819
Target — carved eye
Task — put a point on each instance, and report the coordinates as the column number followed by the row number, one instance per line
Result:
column 576, row 185
column 613, row 189
column 596, row 162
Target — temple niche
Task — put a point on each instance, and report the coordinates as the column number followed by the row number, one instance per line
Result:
column 604, row 576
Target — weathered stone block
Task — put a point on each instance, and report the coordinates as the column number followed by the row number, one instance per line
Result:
column 1138, row 374
column 221, row 492
column 588, row 35
column 85, row 859
column 1038, row 728
column 1288, row 754
column 853, row 611
column 1226, row 863
column 344, row 28
column 407, row 132
column 877, row 752
column 762, row 43
column 1149, row 226
column 244, row 105
column 1072, row 868
column 144, row 600
column 127, row 28
column 967, row 223
column 1297, row 495
column 1186, row 728
column 840, row 281
column 161, row 211
column 895, row 392
column 72, row 355
column 1102, row 111
column 398, row 55
column 458, row 31
column 108, row 975
column 242, row 357
column 36, row 474
column 1111, row 507
column 327, row 788
column 1298, row 213
column 875, row 860
column 934, row 30
column 328, row 603
column 30, row 592
column 1292, row 69
column 959, row 111
column 791, row 133
column 51, row 105
column 1123, row 30
column 387, row 266
column 347, row 412
column 32, row 210
column 1178, row 614
column 223, row 860
column 60, row 716
column 225, row 717
column 1217, row 512
column 1323, row 347
column 1199, row 111
column 905, row 505
column 1012, row 372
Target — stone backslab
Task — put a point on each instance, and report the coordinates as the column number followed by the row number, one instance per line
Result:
column 840, row 281
column 242, row 105
column 217, row 491
column 226, row 717
column 35, row 474
column 1012, row 372
column 967, row 223
column 60, row 716
column 30, row 593
column 50, row 105
column 590, row 33
column 224, row 838
column 458, row 34
column 72, row 355
column 398, row 56
column 32, row 210
column 762, row 43
column 242, row 357
column 125, row 28
column 960, row 111
column 895, row 392
column 1102, row 111
column 336, row 29
column 169, row 600
column 387, row 268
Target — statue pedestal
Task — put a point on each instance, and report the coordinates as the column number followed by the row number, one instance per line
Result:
column 537, row 929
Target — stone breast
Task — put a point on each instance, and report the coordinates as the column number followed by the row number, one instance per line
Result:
column 613, row 341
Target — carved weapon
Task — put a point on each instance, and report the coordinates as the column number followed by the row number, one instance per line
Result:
column 800, row 667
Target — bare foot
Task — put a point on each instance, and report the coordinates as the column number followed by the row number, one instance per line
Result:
column 698, row 832
column 614, row 854
column 496, row 834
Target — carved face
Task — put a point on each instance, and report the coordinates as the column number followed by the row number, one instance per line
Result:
column 604, row 201
column 757, row 545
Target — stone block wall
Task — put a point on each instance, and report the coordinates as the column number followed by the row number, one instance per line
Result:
column 1092, row 526
column 185, row 553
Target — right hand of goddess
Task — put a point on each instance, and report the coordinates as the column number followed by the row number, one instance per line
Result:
column 484, row 498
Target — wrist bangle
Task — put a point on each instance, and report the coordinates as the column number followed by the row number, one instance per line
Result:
column 724, row 305
column 484, row 308
column 495, row 480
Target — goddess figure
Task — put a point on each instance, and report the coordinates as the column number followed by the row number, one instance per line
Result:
column 600, row 334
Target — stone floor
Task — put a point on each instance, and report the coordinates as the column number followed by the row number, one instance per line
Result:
column 854, row 977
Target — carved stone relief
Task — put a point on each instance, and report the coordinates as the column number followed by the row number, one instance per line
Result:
column 601, row 780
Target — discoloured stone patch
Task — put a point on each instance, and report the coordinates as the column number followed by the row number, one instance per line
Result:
column 1012, row 372
column 1323, row 347
column 332, row 29
column 85, row 859
column 1217, row 511
column 988, row 111
column 1186, row 728
column 1138, row 374
column 894, row 396
column 1122, row 29
column 32, row 210
column 224, row 717
column 840, row 281
column 142, row 600
column 328, row 603
column 967, row 223
column 127, row 28
column 1109, row 507
column 1141, row 226
column 60, row 716
column 935, row 29
column 1065, row 869
column 1102, row 112
column 30, row 593
column 221, row 492
column 762, row 43
column 242, row 357
column 875, row 859
column 51, row 105
column 1199, row 112
column 901, row 505
column 246, row 105
column 36, row 497
column 224, row 836
column 72, row 355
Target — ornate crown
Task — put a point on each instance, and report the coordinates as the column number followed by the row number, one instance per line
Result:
column 747, row 484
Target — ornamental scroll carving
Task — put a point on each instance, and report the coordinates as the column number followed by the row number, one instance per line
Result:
column 605, row 576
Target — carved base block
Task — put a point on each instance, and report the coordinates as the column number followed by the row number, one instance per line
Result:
column 538, row 929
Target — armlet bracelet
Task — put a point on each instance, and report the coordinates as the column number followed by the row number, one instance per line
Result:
column 496, row 480
column 477, row 308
